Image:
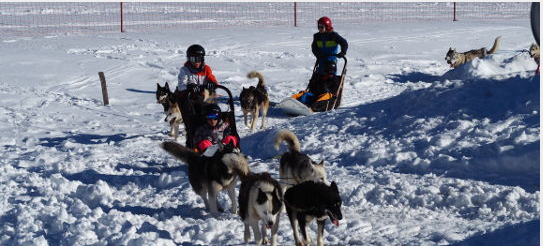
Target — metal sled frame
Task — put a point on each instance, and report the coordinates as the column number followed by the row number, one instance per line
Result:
column 193, row 120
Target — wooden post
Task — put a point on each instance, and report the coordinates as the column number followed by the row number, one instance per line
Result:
column 104, row 88
column 295, row 17
column 454, row 12
column 122, row 19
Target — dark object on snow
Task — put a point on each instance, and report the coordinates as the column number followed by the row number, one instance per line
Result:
column 534, row 19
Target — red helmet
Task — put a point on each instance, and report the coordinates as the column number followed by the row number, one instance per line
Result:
column 326, row 22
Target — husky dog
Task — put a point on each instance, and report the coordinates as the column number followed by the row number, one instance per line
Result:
column 534, row 53
column 162, row 94
column 456, row 59
column 254, row 100
column 297, row 167
column 208, row 175
column 173, row 117
column 260, row 199
column 308, row 201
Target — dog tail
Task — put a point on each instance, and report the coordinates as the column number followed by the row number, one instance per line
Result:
column 289, row 137
column 178, row 151
column 255, row 74
column 495, row 46
column 237, row 162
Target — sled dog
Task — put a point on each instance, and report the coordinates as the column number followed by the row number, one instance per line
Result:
column 297, row 167
column 308, row 201
column 534, row 53
column 260, row 199
column 173, row 117
column 208, row 175
column 254, row 100
column 455, row 59
column 162, row 94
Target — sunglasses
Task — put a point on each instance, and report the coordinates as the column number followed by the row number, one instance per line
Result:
column 212, row 116
column 196, row 58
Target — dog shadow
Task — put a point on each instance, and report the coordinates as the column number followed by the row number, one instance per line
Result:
column 140, row 91
column 91, row 177
column 87, row 139
column 414, row 77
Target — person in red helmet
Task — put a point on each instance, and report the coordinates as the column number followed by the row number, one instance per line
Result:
column 327, row 43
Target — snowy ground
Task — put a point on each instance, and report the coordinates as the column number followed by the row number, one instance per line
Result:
column 423, row 155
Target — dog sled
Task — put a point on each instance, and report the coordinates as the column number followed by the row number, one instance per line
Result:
column 192, row 107
column 297, row 105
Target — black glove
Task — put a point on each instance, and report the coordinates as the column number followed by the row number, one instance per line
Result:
column 341, row 54
column 193, row 88
column 210, row 86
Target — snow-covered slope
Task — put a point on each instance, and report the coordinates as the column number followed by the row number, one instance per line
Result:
column 422, row 155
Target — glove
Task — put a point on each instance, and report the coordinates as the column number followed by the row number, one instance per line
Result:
column 210, row 86
column 193, row 88
column 341, row 54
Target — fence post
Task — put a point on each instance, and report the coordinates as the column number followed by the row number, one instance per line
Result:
column 295, row 17
column 104, row 88
column 454, row 12
column 122, row 19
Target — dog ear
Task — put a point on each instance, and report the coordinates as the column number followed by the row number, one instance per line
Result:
column 167, row 86
column 261, row 198
column 157, row 86
column 321, row 163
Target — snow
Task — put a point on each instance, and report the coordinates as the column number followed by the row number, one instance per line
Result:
column 422, row 154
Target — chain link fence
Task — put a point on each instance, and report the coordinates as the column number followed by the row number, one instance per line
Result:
column 30, row 18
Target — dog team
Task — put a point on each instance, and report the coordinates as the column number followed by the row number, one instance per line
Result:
column 305, row 194
column 216, row 163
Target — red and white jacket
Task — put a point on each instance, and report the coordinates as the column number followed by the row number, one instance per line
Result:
column 188, row 75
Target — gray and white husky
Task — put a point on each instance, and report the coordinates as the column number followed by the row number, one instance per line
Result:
column 208, row 175
column 260, row 200
column 297, row 167
column 455, row 59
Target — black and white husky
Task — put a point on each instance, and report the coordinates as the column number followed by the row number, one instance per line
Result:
column 311, row 200
column 297, row 167
column 260, row 199
column 208, row 175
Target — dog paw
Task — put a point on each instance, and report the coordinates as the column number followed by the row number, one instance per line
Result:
column 265, row 241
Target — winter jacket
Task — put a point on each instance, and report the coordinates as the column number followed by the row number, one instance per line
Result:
column 325, row 44
column 213, row 134
column 197, row 76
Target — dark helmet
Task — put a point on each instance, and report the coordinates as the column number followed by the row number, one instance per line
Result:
column 326, row 22
column 196, row 50
column 212, row 109
column 329, row 66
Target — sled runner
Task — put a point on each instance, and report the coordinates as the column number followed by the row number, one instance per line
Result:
column 192, row 112
column 306, row 102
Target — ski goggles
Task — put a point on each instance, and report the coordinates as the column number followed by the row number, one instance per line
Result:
column 196, row 58
column 212, row 116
